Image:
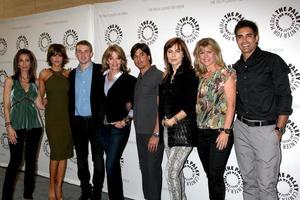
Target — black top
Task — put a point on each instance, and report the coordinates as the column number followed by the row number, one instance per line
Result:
column 178, row 94
column 263, row 89
column 120, row 93
column 95, row 102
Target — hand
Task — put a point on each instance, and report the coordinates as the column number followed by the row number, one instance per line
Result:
column 39, row 104
column 11, row 134
column 119, row 124
column 279, row 135
column 168, row 122
column 222, row 140
column 153, row 143
column 45, row 101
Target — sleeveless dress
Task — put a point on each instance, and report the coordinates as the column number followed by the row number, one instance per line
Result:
column 23, row 113
column 57, row 117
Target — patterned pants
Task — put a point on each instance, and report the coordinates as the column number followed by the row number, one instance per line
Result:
column 174, row 169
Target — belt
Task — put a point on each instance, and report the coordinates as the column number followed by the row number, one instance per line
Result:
column 256, row 122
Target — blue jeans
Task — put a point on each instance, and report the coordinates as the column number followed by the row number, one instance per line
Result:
column 114, row 141
column 84, row 131
column 31, row 140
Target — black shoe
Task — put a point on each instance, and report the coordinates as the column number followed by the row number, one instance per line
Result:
column 96, row 195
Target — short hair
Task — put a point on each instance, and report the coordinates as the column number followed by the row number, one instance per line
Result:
column 85, row 43
column 143, row 47
column 33, row 65
column 205, row 42
column 57, row 49
column 120, row 52
column 186, row 60
column 246, row 23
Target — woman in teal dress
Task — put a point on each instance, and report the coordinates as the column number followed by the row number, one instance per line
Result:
column 22, row 122
column 215, row 111
column 55, row 85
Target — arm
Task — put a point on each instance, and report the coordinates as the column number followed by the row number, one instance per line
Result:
column 154, row 139
column 230, row 96
column 42, row 89
column 11, row 133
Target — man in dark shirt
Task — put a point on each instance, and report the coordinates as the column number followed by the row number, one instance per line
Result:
column 263, row 106
column 145, row 114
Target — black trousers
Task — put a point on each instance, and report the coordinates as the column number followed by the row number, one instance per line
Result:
column 85, row 132
column 213, row 160
column 30, row 140
column 150, row 165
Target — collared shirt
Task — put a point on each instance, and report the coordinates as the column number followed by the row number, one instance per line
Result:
column 145, row 106
column 108, row 84
column 263, row 89
column 83, row 82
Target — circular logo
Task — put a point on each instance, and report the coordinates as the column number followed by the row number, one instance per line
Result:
column 294, row 77
column 287, row 187
column 4, row 141
column 3, row 76
column 233, row 180
column 44, row 41
column 291, row 136
column 46, row 148
column 70, row 39
column 122, row 162
column 3, row 46
column 113, row 34
column 147, row 32
column 284, row 22
column 22, row 42
column 191, row 173
column 2, row 110
column 187, row 29
column 228, row 23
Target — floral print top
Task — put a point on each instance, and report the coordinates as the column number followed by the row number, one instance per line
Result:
column 211, row 104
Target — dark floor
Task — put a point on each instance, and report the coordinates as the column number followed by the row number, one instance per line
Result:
column 71, row 192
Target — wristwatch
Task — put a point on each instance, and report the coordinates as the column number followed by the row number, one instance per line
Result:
column 281, row 130
column 155, row 134
column 226, row 130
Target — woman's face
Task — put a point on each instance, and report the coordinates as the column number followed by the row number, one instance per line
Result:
column 114, row 62
column 24, row 62
column 175, row 55
column 207, row 56
column 56, row 60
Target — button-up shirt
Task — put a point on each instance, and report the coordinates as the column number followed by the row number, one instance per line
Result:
column 263, row 89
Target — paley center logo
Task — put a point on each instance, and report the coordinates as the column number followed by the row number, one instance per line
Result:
column 46, row 148
column 233, row 180
column 113, row 34
column 288, row 188
column 285, row 22
column 291, row 137
column 3, row 46
column 44, row 41
column 3, row 76
column 294, row 77
column 22, row 42
column 187, row 29
column 4, row 141
column 70, row 39
column 147, row 32
column 191, row 173
column 228, row 23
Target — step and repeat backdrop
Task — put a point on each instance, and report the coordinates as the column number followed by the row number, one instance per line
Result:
column 154, row 22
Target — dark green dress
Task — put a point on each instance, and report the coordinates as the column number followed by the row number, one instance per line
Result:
column 57, row 117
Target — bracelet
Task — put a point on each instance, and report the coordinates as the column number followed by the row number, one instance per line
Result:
column 226, row 130
column 176, row 119
column 7, row 124
column 156, row 134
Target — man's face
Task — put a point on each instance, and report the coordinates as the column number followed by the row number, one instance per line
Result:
column 141, row 59
column 83, row 54
column 247, row 41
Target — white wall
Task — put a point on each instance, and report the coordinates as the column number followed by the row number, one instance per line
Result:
column 154, row 22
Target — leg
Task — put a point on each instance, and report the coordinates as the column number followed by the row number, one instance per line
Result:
column 246, row 159
column 98, row 160
column 177, row 158
column 114, row 142
column 150, row 165
column 16, row 155
column 81, row 141
column 268, row 158
column 53, row 165
column 32, row 141
column 60, row 174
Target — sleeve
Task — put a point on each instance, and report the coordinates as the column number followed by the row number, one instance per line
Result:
column 280, row 71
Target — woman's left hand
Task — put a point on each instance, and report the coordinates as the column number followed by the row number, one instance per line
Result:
column 222, row 140
column 119, row 124
column 169, row 122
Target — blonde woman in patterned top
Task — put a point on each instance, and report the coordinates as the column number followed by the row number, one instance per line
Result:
column 215, row 109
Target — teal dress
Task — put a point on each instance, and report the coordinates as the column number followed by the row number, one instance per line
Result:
column 57, row 117
column 23, row 113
